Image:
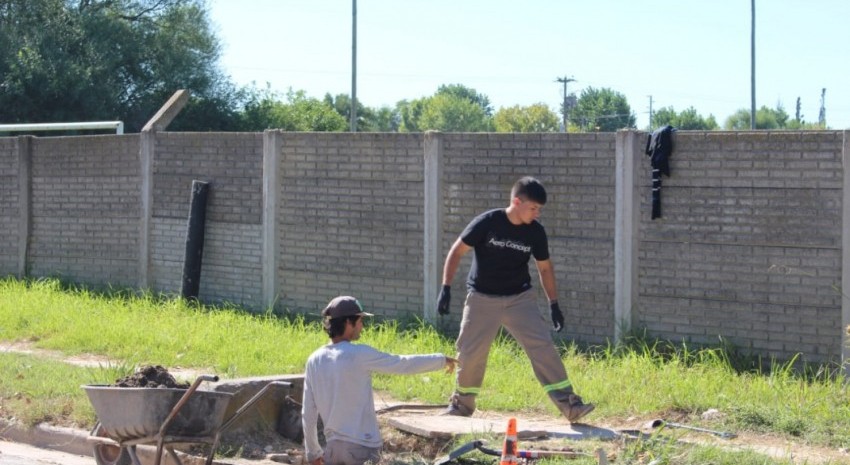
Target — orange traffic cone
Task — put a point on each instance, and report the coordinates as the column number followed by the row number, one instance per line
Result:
column 509, row 449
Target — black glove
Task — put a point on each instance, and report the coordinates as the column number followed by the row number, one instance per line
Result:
column 557, row 316
column 444, row 299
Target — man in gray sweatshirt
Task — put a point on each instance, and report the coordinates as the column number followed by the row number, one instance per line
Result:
column 338, row 388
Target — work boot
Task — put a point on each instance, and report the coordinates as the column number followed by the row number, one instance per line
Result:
column 574, row 408
column 457, row 409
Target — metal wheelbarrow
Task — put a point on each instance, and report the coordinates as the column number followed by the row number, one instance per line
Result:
column 128, row 417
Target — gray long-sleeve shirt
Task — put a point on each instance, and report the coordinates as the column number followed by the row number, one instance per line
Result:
column 338, row 386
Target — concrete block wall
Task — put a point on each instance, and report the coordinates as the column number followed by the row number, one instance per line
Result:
column 749, row 245
column 351, row 219
column 578, row 173
column 9, row 206
column 85, row 209
column 232, row 164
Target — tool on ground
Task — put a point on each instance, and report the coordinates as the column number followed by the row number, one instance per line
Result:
column 511, row 453
column 478, row 445
column 393, row 408
column 721, row 434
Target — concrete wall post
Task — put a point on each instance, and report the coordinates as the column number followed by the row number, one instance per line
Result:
column 627, row 207
column 24, row 201
column 272, row 144
column 147, row 144
column 433, row 234
column 845, row 255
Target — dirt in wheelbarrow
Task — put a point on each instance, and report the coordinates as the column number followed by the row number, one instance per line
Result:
column 151, row 376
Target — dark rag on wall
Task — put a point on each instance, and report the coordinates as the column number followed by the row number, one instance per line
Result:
column 659, row 147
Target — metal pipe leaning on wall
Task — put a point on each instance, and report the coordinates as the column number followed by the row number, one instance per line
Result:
column 195, row 240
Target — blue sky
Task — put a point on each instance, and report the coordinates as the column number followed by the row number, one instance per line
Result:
column 682, row 53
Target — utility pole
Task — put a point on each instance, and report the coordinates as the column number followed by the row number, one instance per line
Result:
column 753, row 65
column 822, row 112
column 353, row 66
column 565, row 108
column 650, row 112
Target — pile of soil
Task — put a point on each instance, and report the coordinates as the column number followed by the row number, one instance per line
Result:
column 151, row 376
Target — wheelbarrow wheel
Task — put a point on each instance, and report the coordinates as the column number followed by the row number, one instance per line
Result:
column 106, row 454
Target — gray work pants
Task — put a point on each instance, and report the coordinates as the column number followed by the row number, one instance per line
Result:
column 483, row 315
column 349, row 453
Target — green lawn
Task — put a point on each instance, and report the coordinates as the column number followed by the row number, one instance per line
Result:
column 642, row 379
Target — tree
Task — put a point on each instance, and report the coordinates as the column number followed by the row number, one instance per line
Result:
column 383, row 119
column 410, row 113
column 766, row 118
column 687, row 119
column 298, row 113
column 534, row 118
column 387, row 119
column 451, row 109
column 468, row 93
column 108, row 59
column 449, row 113
column 602, row 110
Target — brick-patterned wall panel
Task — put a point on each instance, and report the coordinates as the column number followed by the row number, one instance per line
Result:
column 232, row 264
column 749, row 243
column 232, row 163
column 168, row 245
column 351, row 221
column 578, row 173
column 9, row 206
column 85, row 209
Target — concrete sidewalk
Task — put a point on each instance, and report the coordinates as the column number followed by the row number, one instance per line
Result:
column 73, row 441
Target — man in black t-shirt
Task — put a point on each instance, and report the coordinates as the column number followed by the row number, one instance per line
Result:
column 499, row 294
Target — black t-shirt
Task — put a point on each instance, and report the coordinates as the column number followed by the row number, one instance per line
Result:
column 502, row 251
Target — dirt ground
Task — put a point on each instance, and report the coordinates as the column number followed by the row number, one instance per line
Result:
column 408, row 448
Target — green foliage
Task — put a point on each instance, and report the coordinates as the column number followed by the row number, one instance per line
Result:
column 467, row 93
column 102, row 60
column 602, row 110
column 688, row 119
column 534, row 118
column 449, row 113
column 766, row 118
column 453, row 108
column 36, row 391
column 265, row 110
column 383, row 119
column 660, row 450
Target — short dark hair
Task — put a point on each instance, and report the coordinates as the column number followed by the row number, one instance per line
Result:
column 336, row 326
column 529, row 188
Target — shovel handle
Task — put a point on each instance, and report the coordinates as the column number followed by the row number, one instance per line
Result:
column 720, row 434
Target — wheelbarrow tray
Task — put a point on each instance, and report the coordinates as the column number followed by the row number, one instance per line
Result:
column 128, row 413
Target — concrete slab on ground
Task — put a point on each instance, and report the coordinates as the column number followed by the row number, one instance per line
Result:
column 431, row 425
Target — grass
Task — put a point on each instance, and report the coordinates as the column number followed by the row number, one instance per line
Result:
column 642, row 378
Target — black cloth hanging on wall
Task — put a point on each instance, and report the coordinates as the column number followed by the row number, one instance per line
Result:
column 659, row 147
